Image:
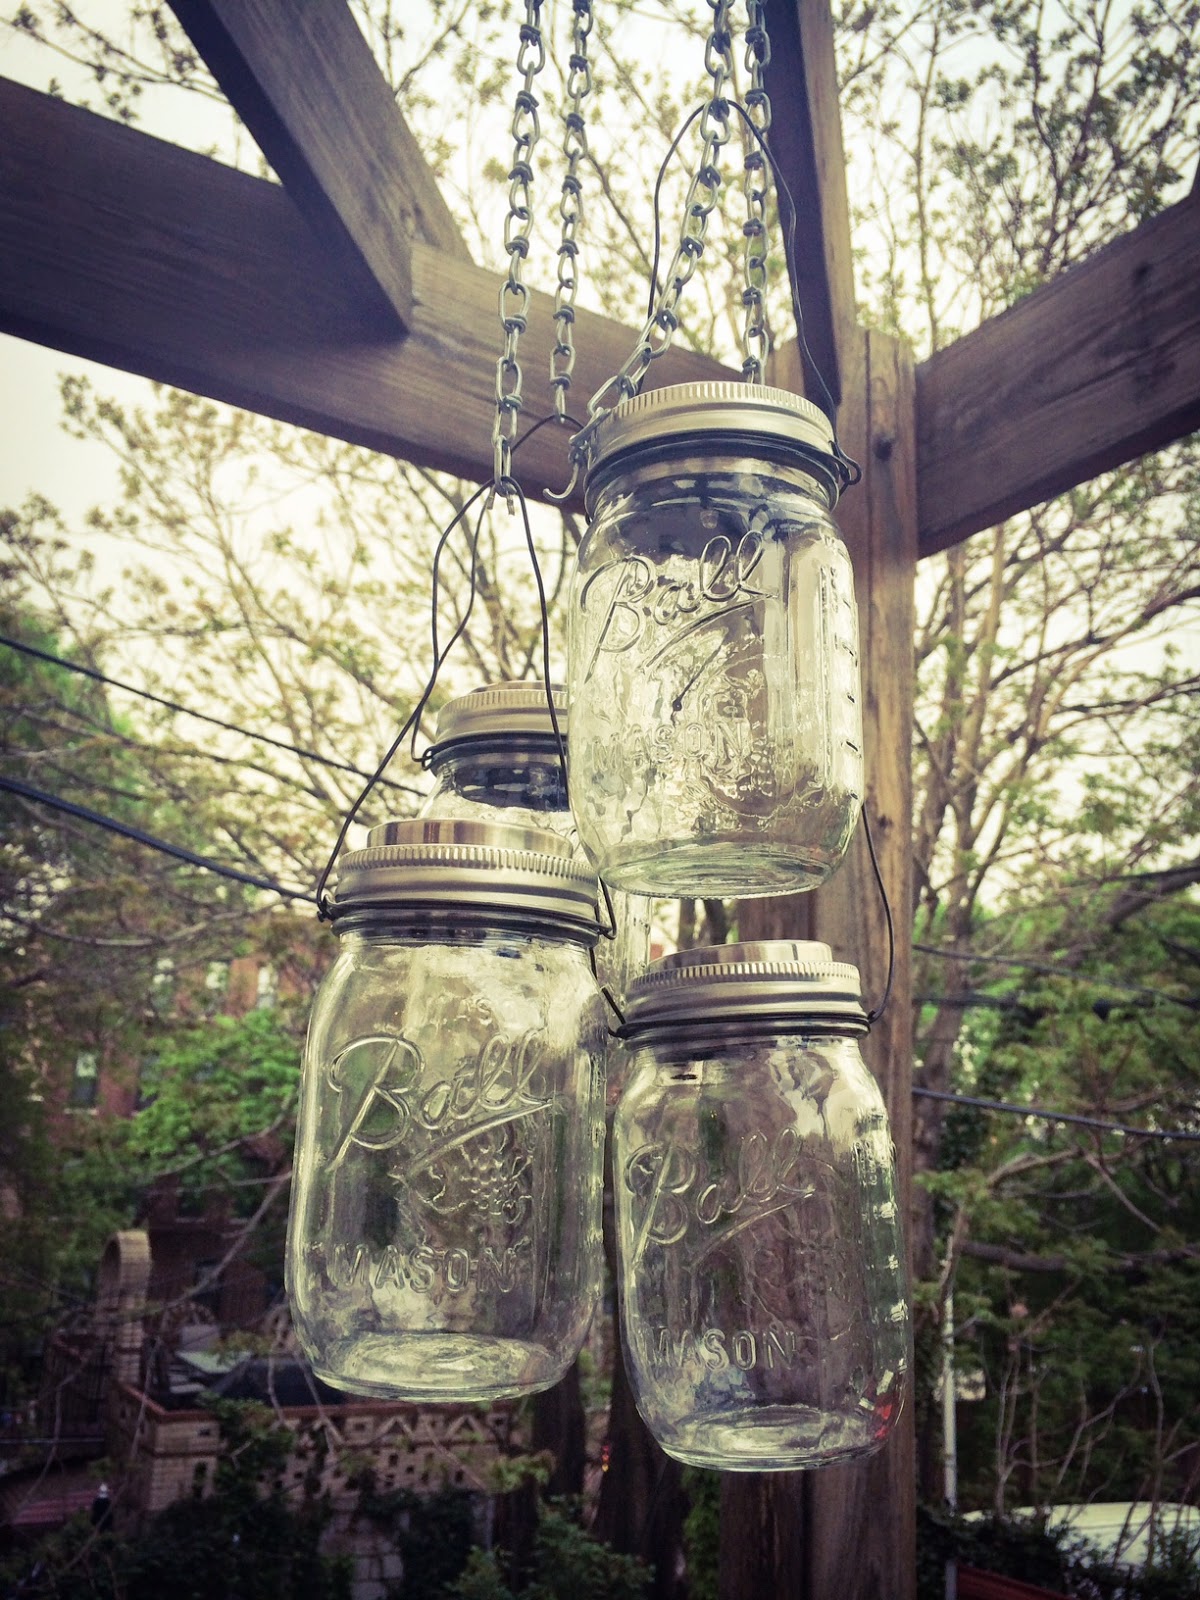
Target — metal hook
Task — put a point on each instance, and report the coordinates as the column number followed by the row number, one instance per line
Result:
column 565, row 494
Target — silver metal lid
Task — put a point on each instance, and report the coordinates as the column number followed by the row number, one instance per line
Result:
column 741, row 411
column 451, row 864
column 788, row 979
column 512, row 710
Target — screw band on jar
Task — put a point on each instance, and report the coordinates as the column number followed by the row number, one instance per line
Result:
column 788, row 986
column 756, row 418
column 454, row 865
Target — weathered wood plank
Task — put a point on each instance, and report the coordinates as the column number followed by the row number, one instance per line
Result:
column 863, row 1518
column 306, row 85
column 806, row 141
column 132, row 252
column 1094, row 369
column 850, row 1531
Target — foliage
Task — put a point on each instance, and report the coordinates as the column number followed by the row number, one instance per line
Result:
column 568, row 1565
column 77, row 932
column 212, row 1092
column 701, row 1532
column 1076, row 1278
column 1049, row 1558
column 284, row 581
column 1057, row 805
column 1010, row 137
column 433, row 1534
column 238, row 1541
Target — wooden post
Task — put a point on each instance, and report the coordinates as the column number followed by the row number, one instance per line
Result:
column 848, row 1533
column 806, row 143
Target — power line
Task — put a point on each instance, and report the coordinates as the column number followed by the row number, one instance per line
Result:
column 150, row 840
column 1050, row 970
column 1054, row 1116
column 200, row 716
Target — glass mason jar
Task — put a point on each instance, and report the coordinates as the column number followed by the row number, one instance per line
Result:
column 764, row 1299
column 495, row 757
column 444, row 1237
column 717, row 744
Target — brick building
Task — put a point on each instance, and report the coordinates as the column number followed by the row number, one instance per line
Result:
column 125, row 1386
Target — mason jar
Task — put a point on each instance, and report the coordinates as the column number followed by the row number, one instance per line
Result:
column 764, row 1302
column 496, row 757
column 444, row 1237
column 716, row 723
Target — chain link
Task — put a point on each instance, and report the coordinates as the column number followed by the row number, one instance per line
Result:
column 514, row 293
column 755, row 340
column 570, row 209
column 660, row 328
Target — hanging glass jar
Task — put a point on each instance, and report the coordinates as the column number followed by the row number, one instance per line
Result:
column 763, row 1288
column 717, row 743
column 444, row 1238
column 495, row 757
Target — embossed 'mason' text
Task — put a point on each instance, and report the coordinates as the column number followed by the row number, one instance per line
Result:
column 715, row 1350
column 423, row 1269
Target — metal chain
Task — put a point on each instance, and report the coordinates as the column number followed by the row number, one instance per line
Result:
column 755, row 341
column 514, row 294
column 570, row 209
column 660, row 328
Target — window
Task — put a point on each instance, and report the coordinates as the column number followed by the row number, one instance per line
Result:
column 267, row 987
column 85, row 1085
column 216, row 987
column 162, row 986
column 145, row 1093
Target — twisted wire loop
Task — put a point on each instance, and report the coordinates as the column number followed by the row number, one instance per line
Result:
column 755, row 337
column 514, row 293
column 703, row 192
column 570, row 208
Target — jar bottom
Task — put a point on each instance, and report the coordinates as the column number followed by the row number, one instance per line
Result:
column 439, row 1367
column 738, row 868
column 771, row 1438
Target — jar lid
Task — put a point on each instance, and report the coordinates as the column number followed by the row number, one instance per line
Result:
column 452, row 864
column 501, row 710
column 746, row 414
column 792, row 980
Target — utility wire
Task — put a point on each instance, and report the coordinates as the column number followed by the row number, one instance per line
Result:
column 1050, row 970
column 201, row 716
column 85, row 814
column 151, row 841
column 1054, row 1116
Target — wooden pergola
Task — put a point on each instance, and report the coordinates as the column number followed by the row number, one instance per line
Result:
column 347, row 302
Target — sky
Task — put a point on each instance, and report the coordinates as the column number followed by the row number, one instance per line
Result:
column 35, row 456
column 34, row 453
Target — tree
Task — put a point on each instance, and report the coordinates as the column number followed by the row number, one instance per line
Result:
column 1055, row 742
column 238, row 1540
column 83, row 920
column 992, row 146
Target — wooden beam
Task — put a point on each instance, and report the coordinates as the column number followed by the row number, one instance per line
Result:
column 304, row 82
column 132, row 252
column 806, row 141
column 1096, row 368
column 850, row 1530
